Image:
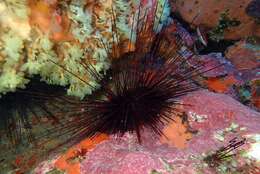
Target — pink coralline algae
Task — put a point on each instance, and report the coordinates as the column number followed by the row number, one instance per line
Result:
column 208, row 113
column 217, row 64
column 221, row 111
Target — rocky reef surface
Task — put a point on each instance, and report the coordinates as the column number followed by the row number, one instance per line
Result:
column 213, row 120
column 217, row 16
column 219, row 130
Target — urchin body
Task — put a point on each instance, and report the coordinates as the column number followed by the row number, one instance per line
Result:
column 141, row 90
column 134, row 103
column 142, row 93
column 143, row 87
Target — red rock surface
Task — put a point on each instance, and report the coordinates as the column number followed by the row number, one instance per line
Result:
column 244, row 55
column 216, row 112
column 221, row 111
column 208, row 12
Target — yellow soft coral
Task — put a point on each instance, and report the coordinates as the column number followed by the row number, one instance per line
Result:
column 13, row 15
column 66, row 32
column 11, row 47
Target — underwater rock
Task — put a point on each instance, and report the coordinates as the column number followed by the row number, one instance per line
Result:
column 119, row 159
column 244, row 56
column 217, row 118
column 198, row 12
column 250, row 75
column 212, row 60
column 256, row 93
column 221, row 111
column 249, row 94
column 209, row 113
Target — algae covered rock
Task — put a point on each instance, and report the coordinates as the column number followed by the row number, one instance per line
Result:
column 208, row 13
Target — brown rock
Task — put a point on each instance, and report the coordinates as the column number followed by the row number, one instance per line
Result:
column 207, row 13
column 244, row 55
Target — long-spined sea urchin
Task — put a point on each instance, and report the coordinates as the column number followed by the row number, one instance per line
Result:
column 143, row 85
column 140, row 91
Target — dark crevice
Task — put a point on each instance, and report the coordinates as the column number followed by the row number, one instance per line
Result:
column 212, row 46
column 220, row 46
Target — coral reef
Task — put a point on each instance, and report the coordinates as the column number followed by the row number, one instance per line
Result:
column 70, row 33
column 57, row 40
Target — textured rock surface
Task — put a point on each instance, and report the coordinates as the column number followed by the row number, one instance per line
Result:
column 221, row 110
column 208, row 114
column 244, row 55
column 208, row 13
